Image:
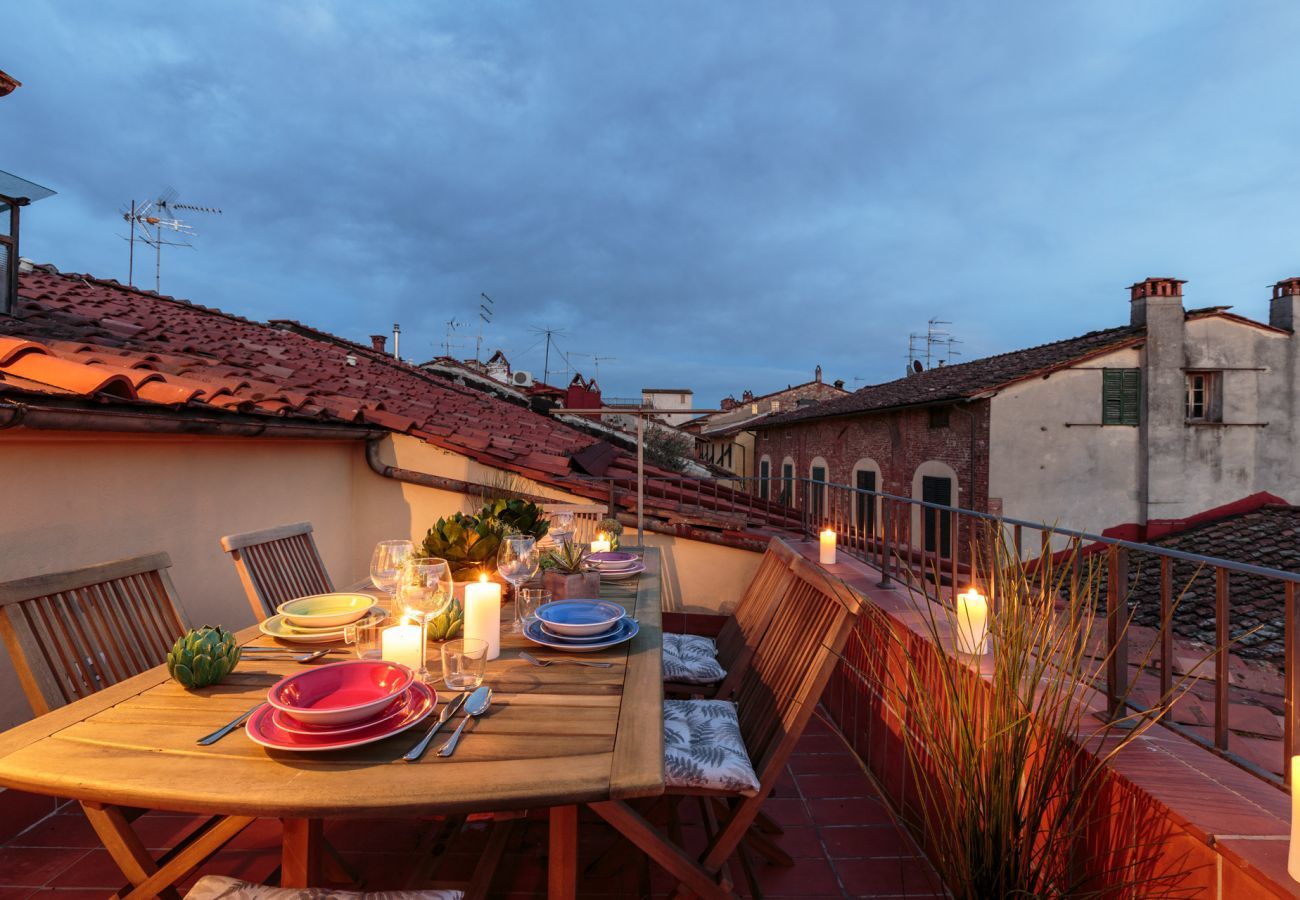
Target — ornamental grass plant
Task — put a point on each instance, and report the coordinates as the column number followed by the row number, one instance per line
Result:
column 1003, row 794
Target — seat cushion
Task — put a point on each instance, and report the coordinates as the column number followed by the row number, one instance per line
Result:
column 691, row 659
column 212, row 887
column 703, row 747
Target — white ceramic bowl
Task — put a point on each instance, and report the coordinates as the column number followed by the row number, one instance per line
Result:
column 326, row 610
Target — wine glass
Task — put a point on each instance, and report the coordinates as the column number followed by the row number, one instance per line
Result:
column 386, row 563
column 424, row 590
column 561, row 530
column 518, row 561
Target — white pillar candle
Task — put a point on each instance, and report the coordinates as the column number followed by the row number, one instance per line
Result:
column 1293, row 857
column 600, row 544
column 483, row 614
column 972, row 623
column 828, row 547
column 401, row 644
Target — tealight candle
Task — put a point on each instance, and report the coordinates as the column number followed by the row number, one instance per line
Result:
column 601, row 544
column 402, row 644
column 972, row 623
column 1293, row 856
column 828, row 547
column 483, row 614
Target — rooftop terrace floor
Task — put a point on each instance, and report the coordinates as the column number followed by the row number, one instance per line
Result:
column 844, row 840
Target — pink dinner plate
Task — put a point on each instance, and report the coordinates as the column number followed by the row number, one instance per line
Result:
column 261, row 727
column 390, row 713
column 341, row 693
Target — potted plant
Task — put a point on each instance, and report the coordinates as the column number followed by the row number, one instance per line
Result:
column 612, row 529
column 516, row 516
column 565, row 573
column 468, row 543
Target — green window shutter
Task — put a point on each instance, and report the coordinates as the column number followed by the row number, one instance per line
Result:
column 1121, row 396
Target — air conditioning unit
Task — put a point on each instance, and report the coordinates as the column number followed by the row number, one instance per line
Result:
column 521, row 378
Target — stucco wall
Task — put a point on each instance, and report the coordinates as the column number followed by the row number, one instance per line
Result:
column 1050, row 459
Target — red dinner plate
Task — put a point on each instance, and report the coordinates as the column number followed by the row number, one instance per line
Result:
column 391, row 713
column 261, row 727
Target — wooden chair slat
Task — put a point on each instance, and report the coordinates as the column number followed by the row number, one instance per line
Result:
column 92, row 608
column 277, row 564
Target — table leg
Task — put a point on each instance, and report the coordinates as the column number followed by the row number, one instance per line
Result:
column 301, row 853
column 562, row 874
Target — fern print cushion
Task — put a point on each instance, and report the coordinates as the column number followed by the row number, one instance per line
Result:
column 703, row 747
column 691, row 659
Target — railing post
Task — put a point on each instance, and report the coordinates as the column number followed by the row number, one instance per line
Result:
column 884, row 544
column 1290, row 657
column 1221, row 624
column 1166, row 631
column 1116, row 633
column 954, row 542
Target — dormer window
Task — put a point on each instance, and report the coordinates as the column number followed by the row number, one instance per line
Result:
column 15, row 193
column 1204, row 396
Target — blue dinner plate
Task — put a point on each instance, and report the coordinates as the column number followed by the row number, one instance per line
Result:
column 624, row 631
column 580, row 618
column 605, row 635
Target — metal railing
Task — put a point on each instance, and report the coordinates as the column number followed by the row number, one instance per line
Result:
column 934, row 544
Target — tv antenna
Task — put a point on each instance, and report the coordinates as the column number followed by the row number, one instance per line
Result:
column 146, row 222
column 596, row 360
column 484, row 318
column 550, row 338
column 447, row 342
column 934, row 336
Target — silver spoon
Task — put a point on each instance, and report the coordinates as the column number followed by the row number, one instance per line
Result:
column 572, row 662
column 475, row 706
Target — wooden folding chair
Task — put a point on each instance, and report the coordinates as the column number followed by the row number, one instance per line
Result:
column 747, row 624
column 71, row 634
column 277, row 564
column 777, row 695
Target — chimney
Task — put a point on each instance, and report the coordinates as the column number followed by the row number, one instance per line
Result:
column 1284, row 308
column 397, row 340
column 839, row 383
column 728, row 403
column 747, row 397
column 377, row 342
column 1146, row 295
column 817, row 375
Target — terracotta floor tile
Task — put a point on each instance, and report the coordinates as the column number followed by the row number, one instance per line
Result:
column 787, row 811
column 378, row 835
column 801, row 842
column 16, row 893
column 95, row 869
column 824, row 763
column 840, row 784
column 806, row 878
column 866, row 842
column 159, row 832
column 852, row 811
column 886, row 877
column 35, row 866
column 68, row 894
column 59, row 831
column 820, row 743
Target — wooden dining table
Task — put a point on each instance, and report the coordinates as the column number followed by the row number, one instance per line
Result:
column 554, row 738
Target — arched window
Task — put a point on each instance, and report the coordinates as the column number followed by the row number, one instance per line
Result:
column 934, row 482
column 765, row 477
column 817, row 477
column 866, row 508
column 787, row 480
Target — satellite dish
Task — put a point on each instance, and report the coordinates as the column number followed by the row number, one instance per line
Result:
column 917, row 367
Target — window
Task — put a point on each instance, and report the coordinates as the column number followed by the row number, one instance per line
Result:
column 1204, row 397
column 817, row 494
column 764, row 473
column 865, row 505
column 776, row 406
column 787, row 478
column 937, row 524
column 1121, row 396
column 938, row 417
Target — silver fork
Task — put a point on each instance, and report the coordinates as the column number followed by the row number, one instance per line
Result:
column 572, row 662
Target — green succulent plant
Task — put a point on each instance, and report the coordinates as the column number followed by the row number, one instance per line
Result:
column 468, row 543
column 516, row 516
column 569, row 558
column 447, row 624
column 202, row 656
column 612, row 529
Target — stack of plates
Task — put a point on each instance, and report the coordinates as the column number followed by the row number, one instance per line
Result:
column 580, row 626
column 614, row 565
column 320, row 618
column 342, row 705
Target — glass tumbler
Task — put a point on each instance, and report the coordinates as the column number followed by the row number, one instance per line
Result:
column 366, row 637
column 526, row 602
column 464, row 661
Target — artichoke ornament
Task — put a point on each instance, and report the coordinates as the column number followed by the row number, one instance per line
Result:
column 202, row 656
column 447, row 624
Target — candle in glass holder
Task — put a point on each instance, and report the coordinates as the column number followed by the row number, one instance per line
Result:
column 827, row 547
column 483, row 614
column 600, row 544
column 402, row 644
column 1293, row 856
column 972, row 623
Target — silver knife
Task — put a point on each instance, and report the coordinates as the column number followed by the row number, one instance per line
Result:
column 447, row 712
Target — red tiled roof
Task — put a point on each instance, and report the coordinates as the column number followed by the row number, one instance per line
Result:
column 85, row 336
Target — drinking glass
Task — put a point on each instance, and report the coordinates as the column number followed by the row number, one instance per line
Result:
column 518, row 561
column 424, row 590
column 387, row 561
column 561, row 530
column 463, row 663
column 367, row 636
column 526, row 602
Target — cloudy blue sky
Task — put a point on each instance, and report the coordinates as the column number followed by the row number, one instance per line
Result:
column 721, row 195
